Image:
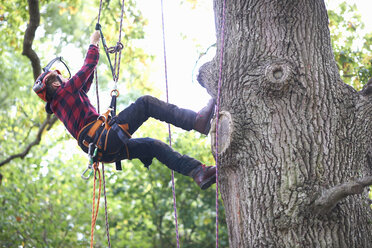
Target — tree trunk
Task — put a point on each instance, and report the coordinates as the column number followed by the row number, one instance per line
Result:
column 294, row 140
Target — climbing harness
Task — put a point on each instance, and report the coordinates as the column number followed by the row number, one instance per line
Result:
column 169, row 129
column 222, row 35
column 97, row 133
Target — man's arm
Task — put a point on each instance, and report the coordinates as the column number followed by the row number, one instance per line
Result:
column 84, row 77
column 88, row 83
column 94, row 40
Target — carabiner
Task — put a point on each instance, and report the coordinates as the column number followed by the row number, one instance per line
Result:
column 91, row 156
column 91, row 172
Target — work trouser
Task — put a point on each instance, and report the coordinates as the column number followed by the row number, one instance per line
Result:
column 146, row 149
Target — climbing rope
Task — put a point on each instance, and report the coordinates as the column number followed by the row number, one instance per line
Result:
column 97, row 94
column 218, row 107
column 169, row 128
column 95, row 212
column 106, row 215
column 117, row 49
column 115, row 73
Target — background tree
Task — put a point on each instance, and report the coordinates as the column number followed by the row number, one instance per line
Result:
column 352, row 51
column 295, row 139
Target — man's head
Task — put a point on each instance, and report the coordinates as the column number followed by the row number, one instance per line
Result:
column 47, row 83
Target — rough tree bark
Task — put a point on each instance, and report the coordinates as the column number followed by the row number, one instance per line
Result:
column 295, row 141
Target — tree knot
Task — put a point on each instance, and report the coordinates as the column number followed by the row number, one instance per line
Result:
column 278, row 76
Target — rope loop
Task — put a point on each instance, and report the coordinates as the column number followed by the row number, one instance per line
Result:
column 119, row 46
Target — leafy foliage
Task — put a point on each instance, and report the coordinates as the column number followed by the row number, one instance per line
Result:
column 353, row 53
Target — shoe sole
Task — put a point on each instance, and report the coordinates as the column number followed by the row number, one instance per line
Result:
column 208, row 183
column 208, row 127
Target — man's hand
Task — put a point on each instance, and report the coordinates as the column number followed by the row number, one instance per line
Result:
column 94, row 39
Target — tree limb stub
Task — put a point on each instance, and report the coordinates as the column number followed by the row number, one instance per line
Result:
column 225, row 129
column 332, row 196
column 208, row 79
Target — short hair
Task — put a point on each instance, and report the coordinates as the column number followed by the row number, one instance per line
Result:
column 50, row 90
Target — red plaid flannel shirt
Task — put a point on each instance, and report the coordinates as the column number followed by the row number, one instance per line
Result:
column 70, row 103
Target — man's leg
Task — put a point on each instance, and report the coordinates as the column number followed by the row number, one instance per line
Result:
column 148, row 106
column 146, row 149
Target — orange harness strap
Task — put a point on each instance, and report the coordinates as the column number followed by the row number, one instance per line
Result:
column 100, row 121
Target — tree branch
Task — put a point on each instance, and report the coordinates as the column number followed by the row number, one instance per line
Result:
column 34, row 12
column 329, row 199
column 49, row 121
column 367, row 89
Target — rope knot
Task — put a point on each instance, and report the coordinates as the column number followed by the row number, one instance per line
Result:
column 119, row 46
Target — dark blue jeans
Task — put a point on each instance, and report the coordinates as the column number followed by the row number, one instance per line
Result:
column 146, row 149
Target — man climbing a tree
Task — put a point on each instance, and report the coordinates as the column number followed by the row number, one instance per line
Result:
column 68, row 100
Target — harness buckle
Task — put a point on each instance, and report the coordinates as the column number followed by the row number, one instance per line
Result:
column 105, row 118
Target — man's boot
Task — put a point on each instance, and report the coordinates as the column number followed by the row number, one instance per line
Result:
column 203, row 119
column 204, row 176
